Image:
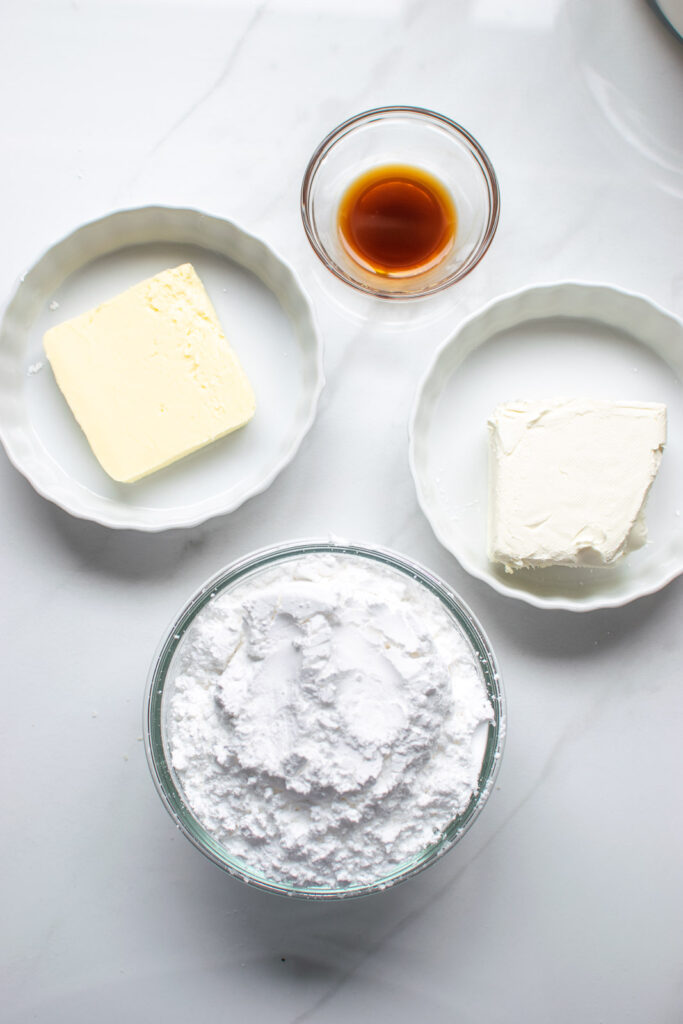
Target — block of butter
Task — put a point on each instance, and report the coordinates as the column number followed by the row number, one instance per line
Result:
column 149, row 374
column 569, row 478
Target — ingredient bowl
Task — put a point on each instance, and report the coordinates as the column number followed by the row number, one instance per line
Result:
column 410, row 137
column 417, row 643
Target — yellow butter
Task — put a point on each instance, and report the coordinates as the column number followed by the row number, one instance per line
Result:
column 149, row 375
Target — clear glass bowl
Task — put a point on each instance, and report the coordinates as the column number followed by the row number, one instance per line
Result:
column 401, row 135
column 154, row 727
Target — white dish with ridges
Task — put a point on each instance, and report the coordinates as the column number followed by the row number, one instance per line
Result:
column 562, row 339
column 265, row 314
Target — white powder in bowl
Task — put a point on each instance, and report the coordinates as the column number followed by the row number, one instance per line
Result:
column 326, row 720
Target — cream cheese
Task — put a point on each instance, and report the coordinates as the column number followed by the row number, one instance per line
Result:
column 569, row 478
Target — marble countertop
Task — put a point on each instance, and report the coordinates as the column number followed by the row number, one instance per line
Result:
column 564, row 902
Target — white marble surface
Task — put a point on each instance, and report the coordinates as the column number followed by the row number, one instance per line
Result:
column 564, row 903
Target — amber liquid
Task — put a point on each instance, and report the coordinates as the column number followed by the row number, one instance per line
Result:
column 397, row 220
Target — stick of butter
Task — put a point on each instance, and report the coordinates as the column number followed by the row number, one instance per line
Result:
column 569, row 478
column 149, row 375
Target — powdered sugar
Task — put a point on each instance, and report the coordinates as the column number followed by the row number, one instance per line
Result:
column 325, row 720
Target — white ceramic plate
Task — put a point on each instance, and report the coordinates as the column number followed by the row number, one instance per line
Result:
column 551, row 341
column 265, row 314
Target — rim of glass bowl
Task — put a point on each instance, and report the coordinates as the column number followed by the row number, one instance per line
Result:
column 379, row 114
column 153, row 728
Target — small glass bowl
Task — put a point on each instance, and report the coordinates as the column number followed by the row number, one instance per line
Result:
column 419, row 138
column 156, row 706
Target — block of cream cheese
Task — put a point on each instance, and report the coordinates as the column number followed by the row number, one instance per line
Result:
column 149, row 374
column 568, row 480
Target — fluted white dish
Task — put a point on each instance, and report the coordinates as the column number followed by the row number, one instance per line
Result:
column 266, row 316
column 557, row 340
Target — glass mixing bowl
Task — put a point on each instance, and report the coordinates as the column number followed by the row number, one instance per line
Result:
column 408, row 136
column 161, row 677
